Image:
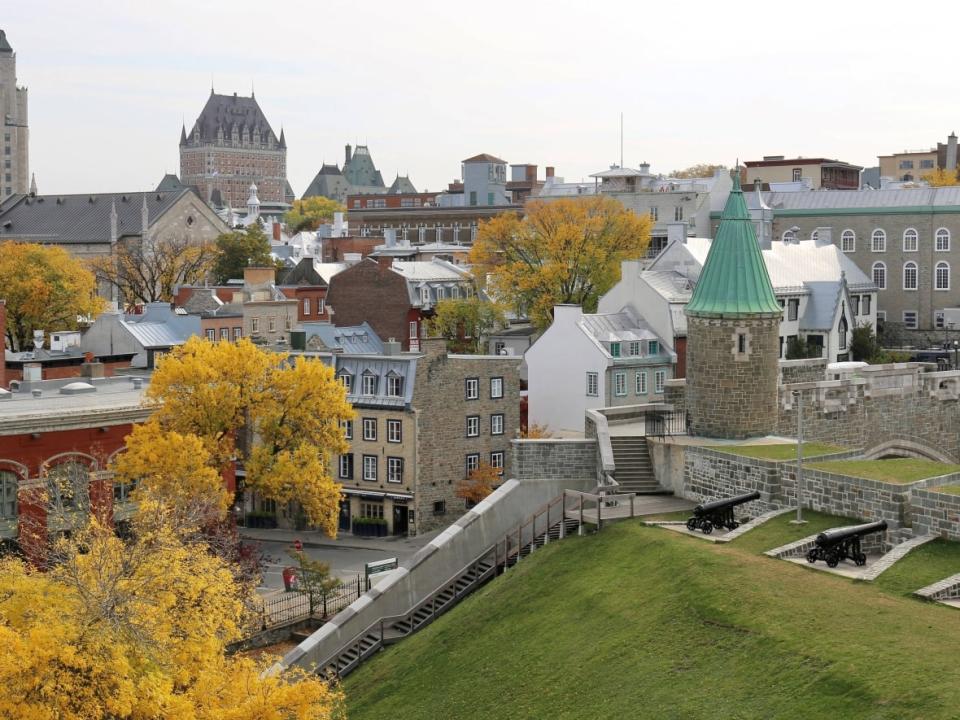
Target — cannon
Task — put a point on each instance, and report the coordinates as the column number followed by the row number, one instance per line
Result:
column 718, row 513
column 843, row 543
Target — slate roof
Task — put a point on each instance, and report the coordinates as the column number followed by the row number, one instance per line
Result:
column 401, row 185
column 380, row 366
column 821, row 305
column 485, row 158
column 67, row 219
column 4, row 45
column 734, row 281
column 170, row 183
column 229, row 111
column 361, row 170
column 868, row 199
column 329, row 183
column 352, row 339
column 303, row 273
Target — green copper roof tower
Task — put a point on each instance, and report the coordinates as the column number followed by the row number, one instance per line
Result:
column 734, row 281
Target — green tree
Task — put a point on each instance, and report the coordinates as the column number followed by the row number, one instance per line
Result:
column 315, row 580
column 310, row 213
column 702, row 170
column 864, row 346
column 465, row 322
column 240, row 249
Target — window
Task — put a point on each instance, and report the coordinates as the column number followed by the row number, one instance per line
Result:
column 881, row 316
column 370, row 468
column 926, row 164
column 654, row 214
column 938, row 319
column 237, row 333
column 942, row 276
column 910, row 240
column 634, row 348
column 842, row 331
column 369, row 384
column 490, row 199
column 439, row 507
column 848, row 241
column 499, row 348
column 320, row 305
column 224, row 333
column 306, row 306
column 370, row 429
column 797, row 173
column 660, row 378
column 641, row 382
column 943, row 240
column 371, row 510
column 425, row 295
column 472, row 463
column 592, row 385
column 211, row 334
column 473, row 426
column 864, row 304
column 346, row 466
column 255, row 325
column 394, row 431
column 741, row 343
column 347, row 380
column 394, row 470
column 614, row 349
column 271, row 324
column 793, row 308
column 394, row 385
column 815, row 235
column 910, row 319
column 441, row 292
column 496, row 387
column 878, row 241
column 347, row 426
column 906, row 164
column 910, row 276
column 880, row 275
column 496, row 461
column 122, row 490
column 653, row 347
column 9, row 484
column 620, row 383
column 855, row 304
column 67, row 485
column 473, row 197
column 496, row 424
column 413, row 329
column 789, row 236
column 472, row 388
column 678, row 213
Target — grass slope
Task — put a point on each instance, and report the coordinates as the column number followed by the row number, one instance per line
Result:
column 779, row 451
column 891, row 470
column 643, row 622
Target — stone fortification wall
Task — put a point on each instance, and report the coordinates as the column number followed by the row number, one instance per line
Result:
column 936, row 513
column 809, row 370
column 555, row 458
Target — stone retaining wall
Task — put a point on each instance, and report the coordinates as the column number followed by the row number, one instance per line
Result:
column 555, row 458
column 936, row 513
column 809, row 370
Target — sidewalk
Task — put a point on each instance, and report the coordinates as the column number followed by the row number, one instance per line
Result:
column 315, row 538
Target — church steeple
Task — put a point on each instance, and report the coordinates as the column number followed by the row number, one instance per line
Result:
column 183, row 134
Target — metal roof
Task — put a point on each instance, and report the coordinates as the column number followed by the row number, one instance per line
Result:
column 931, row 199
column 353, row 339
column 821, row 305
column 380, row 366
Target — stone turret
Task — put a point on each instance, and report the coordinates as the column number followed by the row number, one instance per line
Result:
column 733, row 321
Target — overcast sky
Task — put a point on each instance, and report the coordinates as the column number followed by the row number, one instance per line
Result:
column 427, row 84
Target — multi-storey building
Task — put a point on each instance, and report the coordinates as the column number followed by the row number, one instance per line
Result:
column 911, row 165
column 16, row 133
column 230, row 147
column 814, row 173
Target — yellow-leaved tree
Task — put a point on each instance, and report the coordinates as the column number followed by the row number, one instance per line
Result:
column 564, row 251
column 941, row 178
column 282, row 419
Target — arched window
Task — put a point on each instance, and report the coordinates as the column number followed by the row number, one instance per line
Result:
column 9, row 484
column 68, row 486
column 910, row 242
column 942, row 276
column 880, row 275
column 842, row 330
column 943, row 240
column 878, row 241
column 848, row 241
column 814, row 236
column 910, row 276
column 789, row 236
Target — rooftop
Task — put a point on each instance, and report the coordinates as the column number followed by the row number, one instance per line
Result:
column 54, row 409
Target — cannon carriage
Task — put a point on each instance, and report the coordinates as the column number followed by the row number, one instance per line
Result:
column 843, row 543
column 718, row 513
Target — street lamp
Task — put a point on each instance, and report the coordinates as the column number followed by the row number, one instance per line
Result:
column 956, row 349
column 798, row 396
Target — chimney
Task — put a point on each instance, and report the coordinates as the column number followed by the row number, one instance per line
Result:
column 433, row 347
column 348, row 153
column 390, row 237
column 645, row 167
column 253, row 276
column 952, row 151
column 276, row 232
column 391, row 347
column 384, row 262
column 677, row 231
column 824, row 236
column 92, row 370
column 550, row 171
column 352, row 258
column 338, row 224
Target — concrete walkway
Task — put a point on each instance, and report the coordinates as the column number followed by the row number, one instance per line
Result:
column 316, row 539
column 642, row 505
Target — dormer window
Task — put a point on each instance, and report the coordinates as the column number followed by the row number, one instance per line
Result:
column 369, row 384
column 394, row 385
column 634, row 348
column 615, row 349
column 653, row 347
column 346, row 379
column 425, row 295
column 440, row 293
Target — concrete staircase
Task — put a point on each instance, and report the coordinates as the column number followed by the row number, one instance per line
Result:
column 634, row 470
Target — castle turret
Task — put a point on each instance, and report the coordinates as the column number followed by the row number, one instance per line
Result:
column 733, row 321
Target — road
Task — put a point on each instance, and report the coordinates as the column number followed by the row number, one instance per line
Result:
column 345, row 562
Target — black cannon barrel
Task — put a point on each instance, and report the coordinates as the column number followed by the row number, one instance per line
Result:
column 835, row 535
column 723, row 503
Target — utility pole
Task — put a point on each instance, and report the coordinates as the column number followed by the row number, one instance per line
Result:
column 798, row 396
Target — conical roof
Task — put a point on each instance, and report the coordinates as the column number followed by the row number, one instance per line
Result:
column 734, row 281
column 4, row 45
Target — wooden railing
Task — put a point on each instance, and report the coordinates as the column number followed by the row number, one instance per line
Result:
column 592, row 507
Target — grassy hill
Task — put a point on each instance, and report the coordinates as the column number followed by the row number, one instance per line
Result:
column 641, row 622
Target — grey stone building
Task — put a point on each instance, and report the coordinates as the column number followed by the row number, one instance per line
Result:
column 16, row 133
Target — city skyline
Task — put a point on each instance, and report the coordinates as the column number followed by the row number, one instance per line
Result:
column 532, row 83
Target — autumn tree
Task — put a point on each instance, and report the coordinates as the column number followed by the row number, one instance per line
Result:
column 465, row 322
column 311, row 212
column 565, row 251
column 701, row 170
column 314, row 579
column 281, row 420
column 240, row 249
column 479, row 483
column 46, row 288
column 149, row 269
column 941, row 178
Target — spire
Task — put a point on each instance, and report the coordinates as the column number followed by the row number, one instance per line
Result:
column 113, row 222
column 144, row 216
column 734, row 281
column 4, row 45
column 183, row 134
column 33, row 184
column 283, row 140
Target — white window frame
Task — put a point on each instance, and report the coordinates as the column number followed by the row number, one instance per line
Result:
column 425, row 296
column 907, row 323
column 653, row 347
column 496, row 424
column 878, row 241
column 496, row 461
column 937, row 285
column 593, row 384
column 472, row 389
column 473, row 426
column 306, row 306
column 394, row 470
column 370, row 429
column 640, row 381
column 939, row 319
column 394, row 431
column 496, row 387
column 471, row 463
column 848, row 241
column 9, row 493
column 254, row 324
column 346, row 466
column 347, row 426
column 659, row 381
column 271, row 324
column 211, row 334
column 788, row 236
column 368, row 384
column 394, row 386
column 911, row 240
column 413, row 329
column 346, row 379
column 873, row 274
column 942, row 242
column 620, row 384
column 370, row 468
column 911, row 272
column 634, row 347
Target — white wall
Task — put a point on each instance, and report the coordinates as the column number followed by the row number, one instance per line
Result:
column 557, row 367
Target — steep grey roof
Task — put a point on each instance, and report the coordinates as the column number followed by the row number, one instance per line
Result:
column 328, row 183
column 4, row 45
column 303, row 273
column 616, row 327
column 861, row 199
column 66, row 219
column 401, row 185
column 360, row 170
column 170, row 183
column 159, row 326
column 380, row 366
column 227, row 112
column 353, row 339
column 821, row 305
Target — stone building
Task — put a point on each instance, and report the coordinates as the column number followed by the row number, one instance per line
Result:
column 230, row 147
column 733, row 319
column 813, row 173
column 16, row 133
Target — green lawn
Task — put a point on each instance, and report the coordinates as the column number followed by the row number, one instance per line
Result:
column 928, row 563
column 640, row 622
column 780, row 531
column 893, row 470
column 949, row 489
column 779, row 451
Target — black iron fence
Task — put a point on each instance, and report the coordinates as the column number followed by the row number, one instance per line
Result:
column 660, row 423
column 291, row 607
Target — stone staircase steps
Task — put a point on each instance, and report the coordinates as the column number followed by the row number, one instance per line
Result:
column 634, row 469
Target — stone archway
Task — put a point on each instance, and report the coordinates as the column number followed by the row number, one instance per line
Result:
column 907, row 448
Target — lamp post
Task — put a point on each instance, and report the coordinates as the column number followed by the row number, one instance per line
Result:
column 956, row 350
column 798, row 396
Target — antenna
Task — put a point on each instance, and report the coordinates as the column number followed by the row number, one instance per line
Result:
column 621, row 138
